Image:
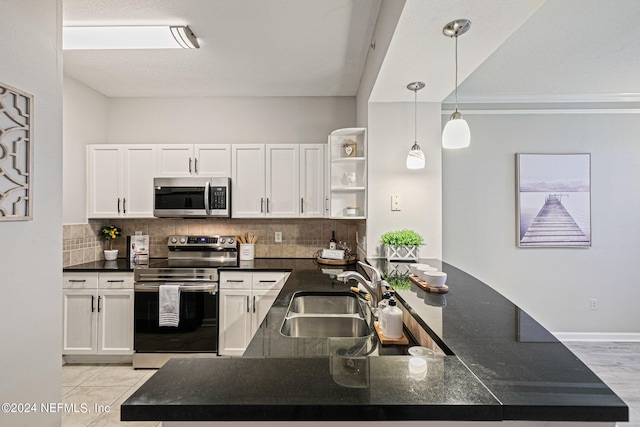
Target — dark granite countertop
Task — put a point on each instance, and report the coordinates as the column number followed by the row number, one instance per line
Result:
column 506, row 367
column 119, row 265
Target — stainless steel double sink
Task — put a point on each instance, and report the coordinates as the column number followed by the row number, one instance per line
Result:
column 327, row 314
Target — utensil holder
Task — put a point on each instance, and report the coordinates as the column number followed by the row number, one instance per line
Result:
column 247, row 251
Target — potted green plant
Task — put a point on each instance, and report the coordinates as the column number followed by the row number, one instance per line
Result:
column 401, row 245
column 110, row 233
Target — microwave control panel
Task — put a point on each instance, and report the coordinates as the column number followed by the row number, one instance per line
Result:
column 218, row 197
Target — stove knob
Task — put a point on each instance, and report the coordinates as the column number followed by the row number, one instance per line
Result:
column 221, row 240
column 174, row 240
column 183, row 240
column 231, row 241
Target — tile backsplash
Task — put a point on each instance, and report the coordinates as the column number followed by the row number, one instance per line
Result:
column 301, row 238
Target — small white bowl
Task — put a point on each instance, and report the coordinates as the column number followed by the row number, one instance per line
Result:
column 435, row 279
column 414, row 268
column 423, row 270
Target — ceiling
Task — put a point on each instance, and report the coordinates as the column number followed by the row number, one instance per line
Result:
column 247, row 47
column 524, row 48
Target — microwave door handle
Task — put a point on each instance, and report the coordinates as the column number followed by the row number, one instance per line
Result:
column 207, row 206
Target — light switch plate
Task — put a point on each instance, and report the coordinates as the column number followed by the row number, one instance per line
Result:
column 278, row 237
column 395, row 202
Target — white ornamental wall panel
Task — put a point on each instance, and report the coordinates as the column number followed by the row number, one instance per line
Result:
column 16, row 154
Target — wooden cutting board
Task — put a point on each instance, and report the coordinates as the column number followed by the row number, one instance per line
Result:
column 388, row 341
column 423, row 285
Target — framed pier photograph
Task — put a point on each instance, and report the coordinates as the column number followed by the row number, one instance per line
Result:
column 554, row 200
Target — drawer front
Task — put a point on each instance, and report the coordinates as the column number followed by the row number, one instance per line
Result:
column 80, row 280
column 235, row 280
column 116, row 280
column 268, row 280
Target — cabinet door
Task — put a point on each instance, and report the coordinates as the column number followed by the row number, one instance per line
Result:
column 104, row 188
column 248, row 181
column 139, row 164
column 235, row 322
column 262, row 302
column 312, row 164
column 175, row 160
column 283, row 181
column 79, row 316
column 212, row 160
column 115, row 322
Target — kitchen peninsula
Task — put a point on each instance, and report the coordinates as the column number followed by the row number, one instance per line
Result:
column 499, row 365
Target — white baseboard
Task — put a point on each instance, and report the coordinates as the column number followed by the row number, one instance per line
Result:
column 598, row 336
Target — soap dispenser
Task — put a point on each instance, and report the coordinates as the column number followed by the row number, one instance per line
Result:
column 381, row 306
column 392, row 321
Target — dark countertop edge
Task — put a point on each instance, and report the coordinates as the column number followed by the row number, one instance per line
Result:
column 288, row 412
column 564, row 413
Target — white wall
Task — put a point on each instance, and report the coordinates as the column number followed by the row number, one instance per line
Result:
column 30, row 305
column 85, row 122
column 553, row 285
column 391, row 135
column 228, row 120
column 388, row 16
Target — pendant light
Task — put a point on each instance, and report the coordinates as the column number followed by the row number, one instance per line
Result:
column 415, row 158
column 456, row 133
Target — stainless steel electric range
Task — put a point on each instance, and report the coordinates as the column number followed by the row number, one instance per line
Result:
column 192, row 264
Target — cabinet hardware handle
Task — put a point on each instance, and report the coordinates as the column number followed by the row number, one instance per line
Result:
column 301, row 204
column 77, row 280
column 196, row 165
column 124, row 205
column 267, row 205
column 247, row 303
column 261, row 204
column 236, row 281
column 267, row 281
column 326, row 204
column 118, row 204
column 254, row 303
column 92, row 306
column 115, row 281
column 189, row 164
column 99, row 298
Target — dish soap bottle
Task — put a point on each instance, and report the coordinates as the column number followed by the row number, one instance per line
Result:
column 392, row 321
column 332, row 242
column 381, row 306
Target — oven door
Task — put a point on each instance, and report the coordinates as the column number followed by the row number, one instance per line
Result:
column 197, row 330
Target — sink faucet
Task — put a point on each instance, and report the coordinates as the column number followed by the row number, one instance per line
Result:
column 374, row 287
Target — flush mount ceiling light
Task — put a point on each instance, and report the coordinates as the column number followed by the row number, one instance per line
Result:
column 415, row 158
column 129, row 37
column 456, row 133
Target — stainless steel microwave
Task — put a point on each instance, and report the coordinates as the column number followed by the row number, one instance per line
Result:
column 192, row 197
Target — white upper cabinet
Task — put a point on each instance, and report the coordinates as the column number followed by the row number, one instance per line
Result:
column 177, row 160
column 120, row 180
column 278, row 180
column 347, row 176
column 283, row 182
column 312, row 166
column 248, row 181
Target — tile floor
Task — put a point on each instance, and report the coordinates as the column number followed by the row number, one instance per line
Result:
column 617, row 364
column 104, row 385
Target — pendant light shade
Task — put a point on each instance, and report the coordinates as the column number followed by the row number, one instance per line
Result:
column 456, row 133
column 415, row 158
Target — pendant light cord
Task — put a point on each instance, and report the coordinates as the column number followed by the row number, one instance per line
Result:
column 456, row 74
column 415, row 115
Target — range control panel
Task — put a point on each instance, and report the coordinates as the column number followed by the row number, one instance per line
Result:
column 200, row 241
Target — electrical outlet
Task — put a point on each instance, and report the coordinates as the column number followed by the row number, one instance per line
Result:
column 593, row 304
column 278, row 237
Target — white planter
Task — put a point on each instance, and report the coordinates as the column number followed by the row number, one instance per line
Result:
column 110, row 255
column 401, row 253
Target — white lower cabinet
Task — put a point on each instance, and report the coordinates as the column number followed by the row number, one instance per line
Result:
column 97, row 310
column 245, row 300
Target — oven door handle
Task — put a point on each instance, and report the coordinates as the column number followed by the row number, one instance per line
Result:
column 155, row 287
